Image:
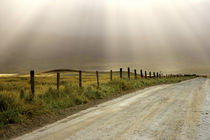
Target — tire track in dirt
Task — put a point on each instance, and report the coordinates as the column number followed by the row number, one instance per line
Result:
column 158, row 117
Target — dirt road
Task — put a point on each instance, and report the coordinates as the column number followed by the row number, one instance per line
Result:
column 178, row 111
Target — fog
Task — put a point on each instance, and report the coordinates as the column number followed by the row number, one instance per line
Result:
column 171, row 36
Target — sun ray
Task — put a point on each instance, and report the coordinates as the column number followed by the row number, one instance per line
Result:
column 154, row 34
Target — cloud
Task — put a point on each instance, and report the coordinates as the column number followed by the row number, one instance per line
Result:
column 166, row 35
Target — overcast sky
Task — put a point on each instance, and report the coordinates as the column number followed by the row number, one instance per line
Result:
column 166, row 35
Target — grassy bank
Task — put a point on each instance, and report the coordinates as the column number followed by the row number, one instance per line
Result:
column 15, row 107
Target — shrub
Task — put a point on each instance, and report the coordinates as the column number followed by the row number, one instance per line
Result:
column 91, row 92
column 22, row 94
column 9, row 117
column 10, row 111
column 6, row 103
column 126, row 85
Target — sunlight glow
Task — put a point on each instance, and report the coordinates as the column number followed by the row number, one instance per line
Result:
column 174, row 32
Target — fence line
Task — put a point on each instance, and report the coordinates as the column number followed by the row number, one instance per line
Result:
column 129, row 74
column 121, row 73
column 80, row 78
column 58, row 81
column 97, row 76
column 32, row 82
column 155, row 75
column 110, row 75
column 141, row 73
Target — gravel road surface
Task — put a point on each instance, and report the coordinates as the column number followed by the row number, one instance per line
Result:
column 178, row 111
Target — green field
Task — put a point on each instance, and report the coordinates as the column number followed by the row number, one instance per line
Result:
column 17, row 103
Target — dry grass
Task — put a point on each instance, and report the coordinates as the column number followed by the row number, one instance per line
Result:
column 14, row 84
column 17, row 103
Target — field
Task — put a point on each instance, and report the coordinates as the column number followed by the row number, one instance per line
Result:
column 17, row 103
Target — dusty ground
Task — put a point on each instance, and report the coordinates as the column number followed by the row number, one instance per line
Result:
column 177, row 111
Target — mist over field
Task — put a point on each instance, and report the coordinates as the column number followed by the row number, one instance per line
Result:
column 160, row 35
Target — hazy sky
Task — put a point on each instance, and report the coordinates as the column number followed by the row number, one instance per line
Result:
column 166, row 35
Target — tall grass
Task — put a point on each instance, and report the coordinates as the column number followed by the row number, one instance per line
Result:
column 17, row 104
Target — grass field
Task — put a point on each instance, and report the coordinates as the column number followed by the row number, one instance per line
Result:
column 17, row 103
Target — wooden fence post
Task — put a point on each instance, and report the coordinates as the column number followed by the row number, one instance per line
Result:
column 80, row 79
column 129, row 74
column 135, row 73
column 141, row 73
column 145, row 74
column 58, row 80
column 32, row 82
column 110, row 75
column 121, row 73
column 97, row 79
column 150, row 74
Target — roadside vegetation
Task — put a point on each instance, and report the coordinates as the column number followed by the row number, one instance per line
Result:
column 17, row 103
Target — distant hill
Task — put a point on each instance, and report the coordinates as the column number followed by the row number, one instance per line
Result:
column 61, row 70
column 71, row 70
